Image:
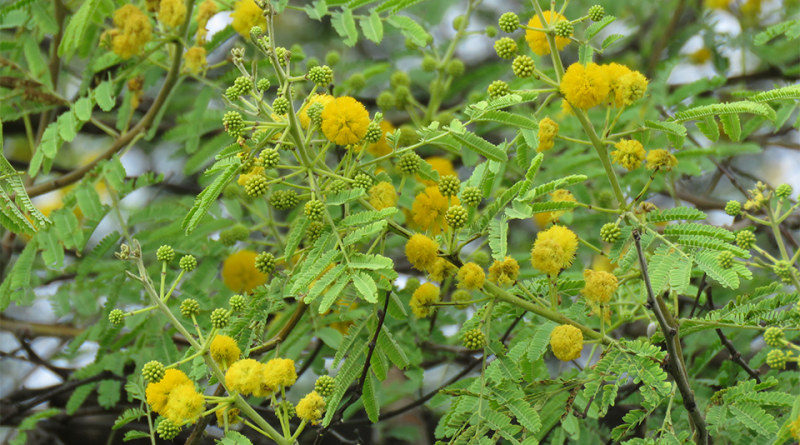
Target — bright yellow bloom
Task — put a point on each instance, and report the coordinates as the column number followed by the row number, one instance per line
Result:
column 245, row 376
column 345, row 121
column 600, row 286
column 548, row 130
column 322, row 98
column 246, row 15
column 471, row 277
column 560, row 196
column 132, row 33
column 566, row 109
column 421, row 251
column 629, row 154
column 441, row 269
column 537, row 40
column 422, row 299
column 172, row 12
column 185, row 405
column 206, row 10
column 614, row 73
column 311, row 407
column 240, row 274
column 224, row 350
column 584, row 87
column 429, row 209
column 567, row 342
column 382, row 196
column 280, row 372
column 661, row 159
column 195, row 59
column 441, row 165
column 243, row 178
column 381, row 148
column 504, row 273
column 796, row 428
column 554, row 250
column 631, row 87
column 158, row 394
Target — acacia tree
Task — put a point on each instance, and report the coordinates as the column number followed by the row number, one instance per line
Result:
column 557, row 241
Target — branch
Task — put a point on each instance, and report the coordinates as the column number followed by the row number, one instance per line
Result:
column 337, row 418
column 736, row 356
column 677, row 367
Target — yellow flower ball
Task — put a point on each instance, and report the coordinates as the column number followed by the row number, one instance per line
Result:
column 157, row 394
column 345, row 121
column 548, row 130
column 231, row 413
column 185, row 405
column 441, row 270
column 504, row 273
column 382, row 196
column 426, row 294
column 629, row 154
column 661, row 159
column 441, row 165
column 566, row 342
column 550, row 257
column 429, row 208
column 239, row 272
column 195, row 59
column 614, row 73
column 584, row 87
column 631, row 87
column 471, row 277
column 320, row 98
column 795, row 430
column 421, row 251
column 537, row 40
column 245, row 377
column 311, row 407
column 172, row 12
column 381, row 148
column 132, row 33
column 600, row 286
column 224, row 350
column 280, row 372
column 245, row 16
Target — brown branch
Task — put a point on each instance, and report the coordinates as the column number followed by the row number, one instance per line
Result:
column 677, row 367
column 284, row 332
column 736, row 356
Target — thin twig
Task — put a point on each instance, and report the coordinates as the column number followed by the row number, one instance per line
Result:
column 736, row 356
column 699, row 292
column 670, row 330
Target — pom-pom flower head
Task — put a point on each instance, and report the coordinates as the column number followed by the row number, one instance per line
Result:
column 185, row 405
column 661, row 159
column 157, row 394
column 429, row 209
column 345, row 121
column 537, row 40
column 305, row 119
column 554, row 250
column 132, row 33
column 280, row 372
column 548, row 130
column 629, row 154
column 172, row 12
column 441, row 269
column 311, row 407
column 422, row 299
column 382, row 196
column 584, row 87
column 600, row 286
column 504, row 273
column 224, row 350
column 245, row 377
column 246, row 15
column 239, row 272
column 195, row 59
column 382, row 148
column 566, row 342
column 421, row 251
column 471, row 277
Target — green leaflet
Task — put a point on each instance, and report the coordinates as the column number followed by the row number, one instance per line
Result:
column 77, row 27
column 498, row 238
column 481, row 146
column 372, row 27
column 345, row 26
column 207, row 197
column 407, row 26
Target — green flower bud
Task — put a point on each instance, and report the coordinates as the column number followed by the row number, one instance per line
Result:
column 523, row 66
column 783, row 191
column 188, row 263
column 401, row 96
column 725, row 259
column 509, row 22
column 220, row 318
column 280, row 105
column 363, row 181
column 265, row 263
column 165, row 254
column 596, row 13
column 237, row 303
column 190, row 307
column 399, row 78
column 284, row 199
column 385, row 100
column 321, row 75
column 498, row 89
column 456, row 216
column 374, row 133
column 481, row 258
column 314, row 231
column 461, row 296
column 472, row 196
column 167, row 429
column 263, row 84
column 564, row 28
column 491, row 31
column 506, row 48
column 474, row 339
column 153, row 371
column 325, row 386
column 234, row 124
column 449, row 185
column 455, row 68
column 256, row 186
column 357, row 81
column 428, row 64
column 314, row 210
column 409, row 163
column 610, row 233
column 311, row 62
column 774, row 337
column 776, row 359
column 116, row 317
column 733, row 208
column 332, row 58
column 745, row 239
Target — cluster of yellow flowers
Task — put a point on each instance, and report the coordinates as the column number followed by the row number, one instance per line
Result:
column 429, row 208
column 172, row 12
column 382, row 196
column 587, row 86
column 311, row 407
column 224, row 350
column 345, row 121
column 175, row 398
column 548, row 130
column 249, row 376
column 132, row 31
column 504, row 273
column 422, row 300
column 206, row 10
column 630, row 154
column 566, row 342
